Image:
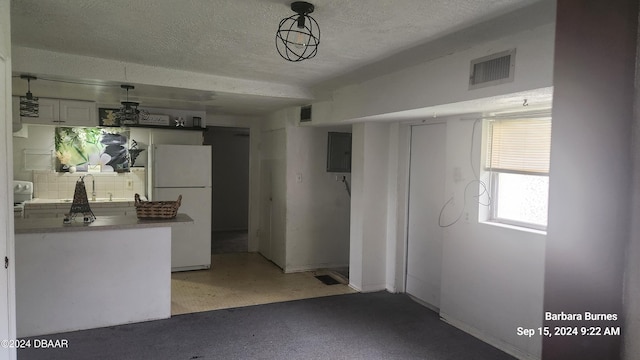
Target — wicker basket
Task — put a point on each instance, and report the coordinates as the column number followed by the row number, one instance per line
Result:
column 157, row 209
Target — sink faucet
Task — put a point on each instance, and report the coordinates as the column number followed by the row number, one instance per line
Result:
column 93, row 186
column 110, row 196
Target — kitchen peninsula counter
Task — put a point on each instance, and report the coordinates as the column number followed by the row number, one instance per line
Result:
column 56, row 225
column 115, row 270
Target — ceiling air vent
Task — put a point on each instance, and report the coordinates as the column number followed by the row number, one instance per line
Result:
column 305, row 113
column 492, row 70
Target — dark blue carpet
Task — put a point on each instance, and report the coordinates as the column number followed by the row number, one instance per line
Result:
column 355, row 326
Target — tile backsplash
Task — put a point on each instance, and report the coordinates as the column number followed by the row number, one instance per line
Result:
column 54, row 185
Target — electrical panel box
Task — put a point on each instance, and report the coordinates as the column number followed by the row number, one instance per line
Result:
column 339, row 152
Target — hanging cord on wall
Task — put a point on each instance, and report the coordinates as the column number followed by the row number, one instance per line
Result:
column 346, row 184
column 476, row 181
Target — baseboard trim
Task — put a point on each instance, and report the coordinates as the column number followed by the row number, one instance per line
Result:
column 190, row 268
column 425, row 304
column 373, row 288
column 497, row 343
column 314, row 267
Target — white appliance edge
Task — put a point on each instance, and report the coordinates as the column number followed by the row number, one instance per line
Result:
column 186, row 170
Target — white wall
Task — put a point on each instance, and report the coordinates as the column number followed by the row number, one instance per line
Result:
column 427, row 191
column 369, row 207
column 444, row 80
column 318, row 206
column 492, row 277
column 82, row 280
column 7, row 277
column 314, row 211
column 395, row 210
column 590, row 187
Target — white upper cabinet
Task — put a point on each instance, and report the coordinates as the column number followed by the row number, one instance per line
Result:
column 74, row 112
column 64, row 113
column 48, row 111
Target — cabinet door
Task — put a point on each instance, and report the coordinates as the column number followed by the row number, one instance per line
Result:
column 81, row 113
column 49, row 113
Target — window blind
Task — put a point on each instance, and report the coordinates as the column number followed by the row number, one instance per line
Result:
column 520, row 146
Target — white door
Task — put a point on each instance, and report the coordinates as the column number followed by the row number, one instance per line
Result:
column 278, row 214
column 273, row 197
column 264, row 244
column 426, row 198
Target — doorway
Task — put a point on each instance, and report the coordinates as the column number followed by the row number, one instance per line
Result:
column 230, row 182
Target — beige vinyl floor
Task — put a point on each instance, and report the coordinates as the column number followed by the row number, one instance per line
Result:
column 243, row 279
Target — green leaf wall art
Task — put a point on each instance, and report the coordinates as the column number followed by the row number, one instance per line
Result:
column 91, row 149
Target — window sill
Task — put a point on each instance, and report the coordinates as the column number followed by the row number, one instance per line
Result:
column 514, row 227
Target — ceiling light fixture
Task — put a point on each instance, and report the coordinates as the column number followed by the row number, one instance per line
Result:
column 298, row 35
column 29, row 106
column 129, row 114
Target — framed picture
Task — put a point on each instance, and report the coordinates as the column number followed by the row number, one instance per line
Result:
column 93, row 149
column 155, row 119
column 107, row 117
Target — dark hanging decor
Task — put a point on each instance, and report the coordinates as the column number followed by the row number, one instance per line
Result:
column 129, row 114
column 298, row 35
column 80, row 204
column 29, row 106
column 134, row 152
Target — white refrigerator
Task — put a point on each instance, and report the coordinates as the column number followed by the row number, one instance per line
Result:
column 185, row 170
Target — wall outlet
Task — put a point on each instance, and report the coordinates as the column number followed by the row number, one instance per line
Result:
column 129, row 184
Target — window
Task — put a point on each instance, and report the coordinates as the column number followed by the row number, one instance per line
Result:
column 518, row 163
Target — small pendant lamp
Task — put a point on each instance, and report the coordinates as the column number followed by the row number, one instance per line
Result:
column 29, row 106
column 298, row 35
column 129, row 114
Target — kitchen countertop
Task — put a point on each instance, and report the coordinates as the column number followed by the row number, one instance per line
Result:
column 50, row 225
column 39, row 203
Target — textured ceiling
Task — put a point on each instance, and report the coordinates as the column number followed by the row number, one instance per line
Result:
column 236, row 39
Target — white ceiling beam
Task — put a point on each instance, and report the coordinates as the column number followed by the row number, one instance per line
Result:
column 71, row 66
